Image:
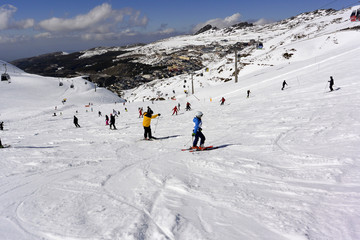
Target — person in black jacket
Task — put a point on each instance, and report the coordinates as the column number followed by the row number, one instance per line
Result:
column 76, row 121
column 283, row 85
column 112, row 121
column 331, row 83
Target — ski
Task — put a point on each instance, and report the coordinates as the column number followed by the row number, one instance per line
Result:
column 198, row 149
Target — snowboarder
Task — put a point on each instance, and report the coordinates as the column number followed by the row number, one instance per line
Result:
column 76, row 121
column 248, row 93
column 331, row 84
column 197, row 132
column 140, row 112
column 222, row 101
column 146, row 123
column 106, row 120
column 1, row 126
column 112, row 121
column 188, row 106
column 283, row 85
column 175, row 110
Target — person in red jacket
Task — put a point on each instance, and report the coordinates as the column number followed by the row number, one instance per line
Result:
column 175, row 110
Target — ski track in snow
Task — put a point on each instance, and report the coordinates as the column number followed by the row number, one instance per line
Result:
column 288, row 166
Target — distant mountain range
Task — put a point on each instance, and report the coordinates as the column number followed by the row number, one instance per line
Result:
column 121, row 68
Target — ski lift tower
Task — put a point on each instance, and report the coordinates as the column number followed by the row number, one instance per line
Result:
column 236, row 68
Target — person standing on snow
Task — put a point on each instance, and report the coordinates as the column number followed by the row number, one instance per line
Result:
column 175, row 110
column 248, row 93
column 76, row 121
column 106, row 120
column 112, row 121
column 222, row 101
column 197, row 132
column 188, row 106
column 146, row 123
column 331, row 84
column 1, row 126
column 283, row 85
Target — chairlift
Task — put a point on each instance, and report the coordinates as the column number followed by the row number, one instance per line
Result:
column 5, row 77
column 355, row 15
column 260, row 45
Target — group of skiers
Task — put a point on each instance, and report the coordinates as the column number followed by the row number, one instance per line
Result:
column 149, row 115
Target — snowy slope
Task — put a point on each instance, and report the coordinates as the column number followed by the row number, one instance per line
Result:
column 287, row 167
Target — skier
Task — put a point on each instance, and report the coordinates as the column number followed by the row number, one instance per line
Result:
column 331, row 84
column 283, row 85
column 188, row 106
column 106, row 120
column 175, row 110
column 1, row 126
column 76, row 121
column 146, row 123
column 112, row 121
column 140, row 112
column 179, row 106
column 197, row 131
column 100, row 114
column 222, row 101
column 248, row 93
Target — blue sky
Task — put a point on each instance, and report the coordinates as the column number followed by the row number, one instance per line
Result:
column 29, row 28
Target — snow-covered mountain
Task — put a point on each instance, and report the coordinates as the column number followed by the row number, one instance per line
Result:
column 287, row 166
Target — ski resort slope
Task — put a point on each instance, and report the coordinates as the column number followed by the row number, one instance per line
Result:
column 287, row 166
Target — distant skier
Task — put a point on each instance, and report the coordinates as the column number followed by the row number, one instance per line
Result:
column 1, row 126
column 146, row 123
column 248, row 93
column 1, row 146
column 179, row 106
column 140, row 112
column 188, row 106
column 112, row 121
column 283, row 85
column 331, row 84
column 100, row 114
column 175, row 110
column 222, row 101
column 76, row 121
column 197, row 132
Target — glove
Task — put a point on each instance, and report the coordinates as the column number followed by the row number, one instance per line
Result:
column 159, row 114
column 193, row 134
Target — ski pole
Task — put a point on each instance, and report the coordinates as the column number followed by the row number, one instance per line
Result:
column 192, row 139
column 156, row 124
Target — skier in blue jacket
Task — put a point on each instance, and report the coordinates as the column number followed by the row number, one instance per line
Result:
column 197, row 131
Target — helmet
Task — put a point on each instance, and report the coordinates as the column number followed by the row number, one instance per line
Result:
column 199, row 114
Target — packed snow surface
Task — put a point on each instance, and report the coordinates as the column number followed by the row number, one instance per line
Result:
column 287, row 166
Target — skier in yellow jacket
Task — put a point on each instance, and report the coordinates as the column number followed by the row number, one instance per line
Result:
column 146, row 123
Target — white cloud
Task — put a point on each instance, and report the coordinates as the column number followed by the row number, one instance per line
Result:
column 6, row 22
column 219, row 22
column 6, row 11
column 101, row 19
column 43, row 35
column 263, row 21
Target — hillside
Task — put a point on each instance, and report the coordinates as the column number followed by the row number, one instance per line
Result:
column 122, row 68
column 287, row 164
